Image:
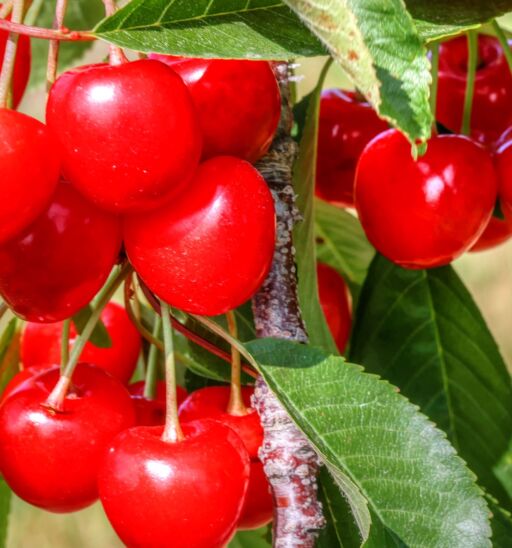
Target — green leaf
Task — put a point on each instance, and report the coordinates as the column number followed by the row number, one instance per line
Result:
column 9, row 353
column 501, row 523
column 99, row 336
column 251, row 539
column 5, row 509
column 404, row 467
column 503, row 470
column 422, row 331
column 244, row 29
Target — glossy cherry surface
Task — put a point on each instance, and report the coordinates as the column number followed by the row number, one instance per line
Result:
column 258, row 508
column 347, row 123
column 497, row 232
column 151, row 412
column 212, row 248
column 54, row 267
column 129, row 133
column 29, row 171
column 40, row 344
column 238, row 104
column 335, row 301
column 492, row 100
column 424, row 213
column 51, row 459
column 190, row 492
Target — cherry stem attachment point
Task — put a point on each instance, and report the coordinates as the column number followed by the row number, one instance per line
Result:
column 472, row 38
column 434, row 61
column 64, row 343
column 152, row 369
column 172, row 430
column 10, row 55
column 47, row 34
column 504, row 43
column 236, row 404
column 53, row 50
column 116, row 54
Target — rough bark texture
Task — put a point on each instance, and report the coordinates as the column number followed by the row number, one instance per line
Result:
column 290, row 463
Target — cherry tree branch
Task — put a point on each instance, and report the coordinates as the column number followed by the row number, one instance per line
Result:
column 53, row 50
column 47, row 34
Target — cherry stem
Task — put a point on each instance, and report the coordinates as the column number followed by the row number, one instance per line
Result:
column 116, row 54
column 53, row 50
column 57, row 396
column 3, row 309
column 236, row 404
column 504, row 43
column 152, row 369
column 10, row 55
column 47, row 34
column 172, row 430
column 472, row 38
column 5, row 10
column 64, row 343
column 434, row 61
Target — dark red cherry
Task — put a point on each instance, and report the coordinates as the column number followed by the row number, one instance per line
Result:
column 238, row 103
column 40, row 344
column 347, row 123
column 129, row 133
column 335, row 301
column 152, row 412
column 424, row 213
column 496, row 232
column 29, row 171
column 492, row 101
column 258, row 508
column 190, row 493
column 503, row 162
column 210, row 250
column 21, row 65
column 55, row 267
column 51, row 459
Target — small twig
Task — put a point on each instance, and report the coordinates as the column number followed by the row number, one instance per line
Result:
column 53, row 50
column 434, row 61
column 116, row 55
column 236, row 404
column 10, row 55
column 504, row 43
column 470, row 82
column 64, row 343
column 47, row 34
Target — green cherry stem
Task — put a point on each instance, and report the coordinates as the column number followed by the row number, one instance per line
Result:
column 152, row 369
column 10, row 54
column 236, row 404
column 472, row 38
column 53, row 50
column 434, row 61
column 64, row 343
column 172, row 430
column 504, row 43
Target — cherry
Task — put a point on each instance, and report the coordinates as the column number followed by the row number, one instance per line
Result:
column 335, row 301
column 212, row 248
column 496, row 232
column 347, row 123
column 424, row 213
column 238, row 103
column 21, row 377
column 40, row 344
column 51, row 459
column 503, row 162
column 54, row 267
column 492, row 100
column 29, row 171
column 190, row 492
column 152, row 412
column 129, row 133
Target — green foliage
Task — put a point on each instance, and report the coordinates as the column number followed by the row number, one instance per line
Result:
column 5, row 508
column 100, row 336
column 251, row 539
column 9, row 353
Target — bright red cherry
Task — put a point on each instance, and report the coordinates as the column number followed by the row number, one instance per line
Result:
column 258, row 507
column 51, row 459
column 129, row 132
column 347, row 123
column 210, row 250
column 492, row 101
column 496, row 232
column 40, row 344
column 56, row 266
column 152, row 412
column 189, row 493
column 29, row 171
column 238, row 103
column 424, row 213
column 335, row 301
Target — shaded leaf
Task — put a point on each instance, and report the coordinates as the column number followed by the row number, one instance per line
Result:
column 251, row 539
column 99, row 336
column 501, row 523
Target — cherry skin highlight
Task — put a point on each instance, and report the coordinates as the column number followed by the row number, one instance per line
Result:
column 129, row 133
column 335, row 301
column 238, row 104
column 210, row 250
column 29, row 171
column 426, row 213
column 51, row 459
column 190, row 492
column 55, row 267
column 152, row 412
column 346, row 125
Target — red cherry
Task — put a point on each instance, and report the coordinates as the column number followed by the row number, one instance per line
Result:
column 210, row 250
column 496, row 232
column 29, row 171
column 129, row 133
column 335, row 301
column 51, row 459
column 424, row 213
column 238, row 103
column 189, row 493
column 503, row 162
column 258, row 508
column 492, row 101
column 346, row 125
column 20, row 378
column 152, row 412
column 40, row 344
column 54, row 267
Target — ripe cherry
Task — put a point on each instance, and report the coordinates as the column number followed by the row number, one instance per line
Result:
column 129, row 133
column 492, row 100
column 238, row 103
column 51, row 459
column 151, row 412
column 424, row 213
column 29, row 171
column 210, row 250
column 496, row 232
column 503, row 162
column 190, row 492
column 335, row 301
column 347, row 123
column 40, row 344
column 54, row 267
column 212, row 402
column 20, row 377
